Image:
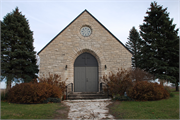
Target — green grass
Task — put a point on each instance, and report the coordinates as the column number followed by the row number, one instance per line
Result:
column 162, row 109
column 29, row 111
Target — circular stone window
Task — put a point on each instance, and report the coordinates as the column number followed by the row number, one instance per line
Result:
column 85, row 31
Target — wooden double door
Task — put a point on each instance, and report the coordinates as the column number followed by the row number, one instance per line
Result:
column 86, row 73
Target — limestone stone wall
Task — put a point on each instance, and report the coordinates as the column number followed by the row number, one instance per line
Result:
column 69, row 44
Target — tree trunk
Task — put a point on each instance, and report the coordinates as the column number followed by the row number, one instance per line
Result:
column 177, row 87
column 161, row 82
column 8, row 85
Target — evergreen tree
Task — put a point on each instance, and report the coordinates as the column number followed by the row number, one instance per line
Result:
column 134, row 45
column 160, row 51
column 18, row 62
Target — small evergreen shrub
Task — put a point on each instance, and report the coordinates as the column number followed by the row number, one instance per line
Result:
column 33, row 92
column 172, row 95
column 53, row 100
column 122, row 98
column 145, row 91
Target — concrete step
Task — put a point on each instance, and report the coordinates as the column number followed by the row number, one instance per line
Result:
column 77, row 96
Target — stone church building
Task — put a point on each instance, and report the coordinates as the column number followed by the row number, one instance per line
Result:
column 83, row 52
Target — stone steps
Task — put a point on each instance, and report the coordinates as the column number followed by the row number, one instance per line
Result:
column 78, row 96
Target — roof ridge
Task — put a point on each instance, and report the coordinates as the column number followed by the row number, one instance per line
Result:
column 73, row 21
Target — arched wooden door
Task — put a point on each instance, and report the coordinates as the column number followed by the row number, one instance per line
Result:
column 85, row 73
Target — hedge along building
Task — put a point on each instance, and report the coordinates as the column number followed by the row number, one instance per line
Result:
column 83, row 52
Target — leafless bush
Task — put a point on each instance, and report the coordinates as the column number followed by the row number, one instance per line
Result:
column 54, row 79
column 138, row 74
column 118, row 82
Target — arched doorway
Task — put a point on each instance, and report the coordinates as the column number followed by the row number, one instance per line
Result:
column 85, row 73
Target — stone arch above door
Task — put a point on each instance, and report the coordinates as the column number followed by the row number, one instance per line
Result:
column 76, row 52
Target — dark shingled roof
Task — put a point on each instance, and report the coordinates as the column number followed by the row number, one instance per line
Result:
column 73, row 21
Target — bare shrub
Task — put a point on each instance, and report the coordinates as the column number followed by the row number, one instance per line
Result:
column 138, row 74
column 145, row 91
column 118, row 82
column 33, row 92
column 54, row 79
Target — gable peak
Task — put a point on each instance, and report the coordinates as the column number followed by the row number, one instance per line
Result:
column 86, row 11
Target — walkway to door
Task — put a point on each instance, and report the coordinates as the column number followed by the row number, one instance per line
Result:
column 89, row 109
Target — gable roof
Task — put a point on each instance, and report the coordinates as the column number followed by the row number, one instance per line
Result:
column 73, row 21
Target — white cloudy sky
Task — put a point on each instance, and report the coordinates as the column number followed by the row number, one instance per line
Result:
column 48, row 17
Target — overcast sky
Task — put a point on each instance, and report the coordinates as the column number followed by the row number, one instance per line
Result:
column 48, row 17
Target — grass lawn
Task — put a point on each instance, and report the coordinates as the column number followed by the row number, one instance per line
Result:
column 33, row 111
column 161, row 109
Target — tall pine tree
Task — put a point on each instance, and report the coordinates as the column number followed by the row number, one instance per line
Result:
column 159, row 51
column 134, row 45
column 18, row 62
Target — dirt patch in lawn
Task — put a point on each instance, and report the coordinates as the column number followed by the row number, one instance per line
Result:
column 63, row 112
